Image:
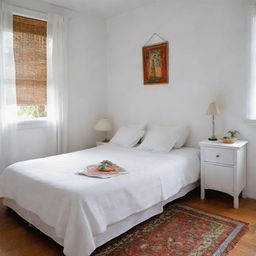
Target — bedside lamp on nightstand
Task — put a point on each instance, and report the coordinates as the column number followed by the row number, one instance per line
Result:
column 213, row 110
column 103, row 125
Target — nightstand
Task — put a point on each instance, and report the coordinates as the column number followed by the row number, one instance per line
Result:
column 223, row 168
column 100, row 143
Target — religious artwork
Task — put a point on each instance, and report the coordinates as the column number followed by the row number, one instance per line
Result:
column 155, row 63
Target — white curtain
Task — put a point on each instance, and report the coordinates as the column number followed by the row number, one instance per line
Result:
column 251, row 94
column 57, row 79
column 8, row 110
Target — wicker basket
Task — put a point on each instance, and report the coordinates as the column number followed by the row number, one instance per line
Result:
column 228, row 140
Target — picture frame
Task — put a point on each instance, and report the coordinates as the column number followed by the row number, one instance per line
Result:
column 155, row 63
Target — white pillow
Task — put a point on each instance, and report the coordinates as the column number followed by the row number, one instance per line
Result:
column 141, row 126
column 182, row 130
column 160, row 139
column 127, row 136
column 184, row 133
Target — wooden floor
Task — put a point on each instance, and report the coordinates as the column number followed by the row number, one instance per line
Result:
column 17, row 239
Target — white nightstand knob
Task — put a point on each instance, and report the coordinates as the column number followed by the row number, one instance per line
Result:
column 217, row 156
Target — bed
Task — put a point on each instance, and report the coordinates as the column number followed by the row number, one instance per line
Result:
column 82, row 213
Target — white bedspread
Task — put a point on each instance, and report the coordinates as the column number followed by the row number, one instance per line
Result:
column 80, row 207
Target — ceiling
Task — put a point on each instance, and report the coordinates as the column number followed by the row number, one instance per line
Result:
column 103, row 8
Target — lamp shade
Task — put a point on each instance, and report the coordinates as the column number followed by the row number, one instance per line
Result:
column 213, row 109
column 103, row 125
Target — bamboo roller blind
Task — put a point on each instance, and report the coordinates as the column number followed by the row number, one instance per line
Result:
column 30, row 37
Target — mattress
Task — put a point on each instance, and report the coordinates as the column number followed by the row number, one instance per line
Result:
column 81, row 209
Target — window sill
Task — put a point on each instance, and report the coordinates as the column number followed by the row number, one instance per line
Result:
column 250, row 122
column 32, row 124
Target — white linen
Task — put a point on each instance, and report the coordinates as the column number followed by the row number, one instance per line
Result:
column 79, row 207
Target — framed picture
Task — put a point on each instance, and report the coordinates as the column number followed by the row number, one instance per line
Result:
column 155, row 63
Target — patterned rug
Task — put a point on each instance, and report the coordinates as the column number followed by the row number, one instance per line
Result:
column 179, row 230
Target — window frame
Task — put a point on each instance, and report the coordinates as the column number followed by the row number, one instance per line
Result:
column 249, row 119
column 250, row 122
column 39, row 122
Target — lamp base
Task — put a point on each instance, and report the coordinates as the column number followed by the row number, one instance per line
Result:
column 213, row 139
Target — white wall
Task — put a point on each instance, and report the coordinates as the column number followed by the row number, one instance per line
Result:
column 87, row 72
column 86, row 96
column 208, row 61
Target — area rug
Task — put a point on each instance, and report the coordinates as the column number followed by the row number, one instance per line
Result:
column 179, row 230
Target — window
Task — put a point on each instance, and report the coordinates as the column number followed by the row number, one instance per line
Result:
column 251, row 93
column 30, row 54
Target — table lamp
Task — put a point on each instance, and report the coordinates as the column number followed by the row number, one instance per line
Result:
column 103, row 125
column 213, row 110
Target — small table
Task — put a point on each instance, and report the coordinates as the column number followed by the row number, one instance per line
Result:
column 223, row 168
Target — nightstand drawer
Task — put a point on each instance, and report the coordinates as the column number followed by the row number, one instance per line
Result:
column 219, row 178
column 219, row 155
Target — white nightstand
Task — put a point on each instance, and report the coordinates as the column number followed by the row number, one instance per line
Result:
column 223, row 168
column 100, row 143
